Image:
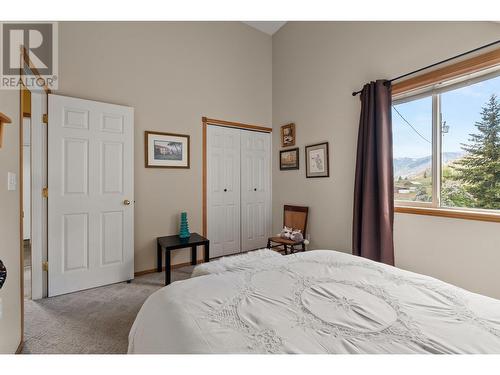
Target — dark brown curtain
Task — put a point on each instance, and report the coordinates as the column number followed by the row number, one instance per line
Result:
column 373, row 219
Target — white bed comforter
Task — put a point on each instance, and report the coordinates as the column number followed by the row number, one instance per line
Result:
column 316, row 302
column 239, row 262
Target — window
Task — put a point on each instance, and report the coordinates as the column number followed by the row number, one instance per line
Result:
column 447, row 144
column 412, row 139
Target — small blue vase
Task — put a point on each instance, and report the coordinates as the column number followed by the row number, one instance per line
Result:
column 184, row 229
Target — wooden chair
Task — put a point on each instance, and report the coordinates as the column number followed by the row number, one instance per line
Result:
column 293, row 217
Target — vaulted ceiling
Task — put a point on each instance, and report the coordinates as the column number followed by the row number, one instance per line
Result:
column 268, row 27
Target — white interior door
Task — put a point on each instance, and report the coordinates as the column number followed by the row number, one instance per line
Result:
column 90, row 182
column 223, row 190
column 255, row 189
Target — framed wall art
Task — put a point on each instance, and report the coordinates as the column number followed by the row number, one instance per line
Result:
column 288, row 135
column 166, row 150
column 317, row 162
column 289, row 159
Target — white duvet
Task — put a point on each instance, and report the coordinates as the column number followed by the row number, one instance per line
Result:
column 316, row 302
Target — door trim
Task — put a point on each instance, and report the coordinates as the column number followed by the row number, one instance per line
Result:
column 25, row 64
column 205, row 121
column 38, row 201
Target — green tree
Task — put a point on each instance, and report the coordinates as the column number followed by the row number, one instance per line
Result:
column 479, row 169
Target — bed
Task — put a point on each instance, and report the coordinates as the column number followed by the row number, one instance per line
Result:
column 235, row 263
column 319, row 301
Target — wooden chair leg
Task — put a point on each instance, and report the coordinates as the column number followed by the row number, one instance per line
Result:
column 268, row 244
column 303, row 246
column 286, row 249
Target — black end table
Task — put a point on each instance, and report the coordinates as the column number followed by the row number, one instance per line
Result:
column 170, row 243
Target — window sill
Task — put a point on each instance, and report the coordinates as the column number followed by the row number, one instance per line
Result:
column 451, row 213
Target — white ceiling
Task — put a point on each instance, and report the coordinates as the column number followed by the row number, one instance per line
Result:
column 269, row 27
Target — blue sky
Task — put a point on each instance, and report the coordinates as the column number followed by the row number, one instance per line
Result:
column 461, row 108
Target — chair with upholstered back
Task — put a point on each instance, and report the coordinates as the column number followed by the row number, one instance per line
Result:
column 294, row 217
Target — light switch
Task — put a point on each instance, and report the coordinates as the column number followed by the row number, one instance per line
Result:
column 11, row 181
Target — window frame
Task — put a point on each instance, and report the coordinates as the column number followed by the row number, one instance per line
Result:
column 463, row 73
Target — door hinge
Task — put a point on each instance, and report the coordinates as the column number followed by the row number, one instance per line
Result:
column 45, row 192
column 45, row 118
column 45, row 266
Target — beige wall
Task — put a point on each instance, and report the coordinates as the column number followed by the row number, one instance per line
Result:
column 461, row 252
column 10, row 321
column 316, row 66
column 172, row 73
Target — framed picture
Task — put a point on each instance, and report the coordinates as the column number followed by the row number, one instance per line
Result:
column 288, row 135
column 166, row 150
column 289, row 159
column 317, row 162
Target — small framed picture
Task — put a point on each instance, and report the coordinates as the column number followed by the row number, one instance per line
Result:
column 166, row 150
column 289, row 159
column 317, row 162
column 288, row 135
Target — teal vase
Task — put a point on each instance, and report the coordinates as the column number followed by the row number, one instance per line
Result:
column 184, row 230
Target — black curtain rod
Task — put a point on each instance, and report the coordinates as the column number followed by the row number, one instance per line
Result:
column 438, row 63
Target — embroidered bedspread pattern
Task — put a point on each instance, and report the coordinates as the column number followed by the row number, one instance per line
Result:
column 234, row 263
column 319, row 301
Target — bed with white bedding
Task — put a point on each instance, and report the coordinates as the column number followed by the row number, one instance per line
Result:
column 319, row 301
column 235, row 263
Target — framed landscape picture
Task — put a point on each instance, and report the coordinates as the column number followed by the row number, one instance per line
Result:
column 289, row 159
column 288, row 135
column 317, row 163
column 166, row 150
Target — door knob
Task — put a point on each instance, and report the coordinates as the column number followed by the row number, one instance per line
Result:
column 225, row 189
column 255, row 189
column 126, row 202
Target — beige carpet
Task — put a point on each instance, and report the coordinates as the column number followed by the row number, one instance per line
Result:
column 92, row 321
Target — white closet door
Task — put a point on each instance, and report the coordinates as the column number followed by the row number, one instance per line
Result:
column 91, row 194
column 223, row 190
column 255, row 189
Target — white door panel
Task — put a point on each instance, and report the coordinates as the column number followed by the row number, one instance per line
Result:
column 256, row 189
column 90, row 168
column 215, row 198
column 223, row 195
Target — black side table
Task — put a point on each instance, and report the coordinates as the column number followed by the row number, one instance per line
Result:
column 170, row 243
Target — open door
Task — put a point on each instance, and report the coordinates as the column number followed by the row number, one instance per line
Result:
column 90, row 194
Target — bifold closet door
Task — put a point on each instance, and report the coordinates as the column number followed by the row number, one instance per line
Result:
column 223, row 190
column 255, row 189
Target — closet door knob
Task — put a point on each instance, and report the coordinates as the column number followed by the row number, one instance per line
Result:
column 225, row 190
column 254, row 189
